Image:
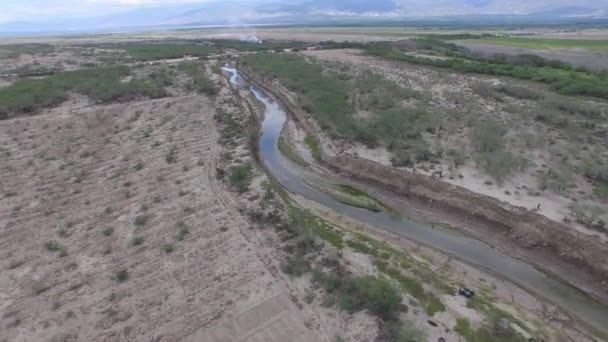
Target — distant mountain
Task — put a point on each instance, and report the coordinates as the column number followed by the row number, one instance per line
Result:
column 252, row 12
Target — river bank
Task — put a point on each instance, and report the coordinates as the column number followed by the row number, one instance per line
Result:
column 573, row 296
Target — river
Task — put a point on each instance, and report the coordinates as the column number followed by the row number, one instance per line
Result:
column 467, row 249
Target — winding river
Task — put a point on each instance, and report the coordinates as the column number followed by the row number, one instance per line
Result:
column 472, row 251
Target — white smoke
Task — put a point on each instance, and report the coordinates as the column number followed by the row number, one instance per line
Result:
column 251, row 39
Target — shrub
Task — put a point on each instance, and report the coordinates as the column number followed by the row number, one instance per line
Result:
column 55, row 246
column 169, row 248
column 184, row 230
column 295, row 266
column 141, row 220
column 519, row 92
column 171, row 156
column 501, row 164
column 314, row 146
column 122, row 276
column 488, row 136
column 107, row 231
column 377, row 295
column 100, row 84
column 137, row 241
column 240, row 177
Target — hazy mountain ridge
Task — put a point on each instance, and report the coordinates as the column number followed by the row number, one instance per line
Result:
column 250, row 12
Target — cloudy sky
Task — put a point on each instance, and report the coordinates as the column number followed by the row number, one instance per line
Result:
column 91, row 13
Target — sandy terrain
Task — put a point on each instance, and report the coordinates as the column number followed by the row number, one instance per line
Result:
column 71, row 173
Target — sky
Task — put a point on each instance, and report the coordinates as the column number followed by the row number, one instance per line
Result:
column 109, row 13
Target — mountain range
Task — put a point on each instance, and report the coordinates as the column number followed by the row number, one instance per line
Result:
column 257, row 12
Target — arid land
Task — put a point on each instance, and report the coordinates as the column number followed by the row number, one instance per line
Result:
column 143, row 215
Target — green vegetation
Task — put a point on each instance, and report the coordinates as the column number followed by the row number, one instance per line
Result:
column 414, row 287
column 157, row 51
column 288, row 151
column 376, row 295
column 488, row 140
column 240, row 177
column 324, row 96
column 141, row 220
column 183, row 230
column 121, row 276
column 55, row 246
column 264, row 46
column 314, row 146
column 168, row 248
column 199, row 81
column 543, row 43
column 107, row 231
column 497, row 329
column 562, row 77
column 137, row 241
column 100, row 84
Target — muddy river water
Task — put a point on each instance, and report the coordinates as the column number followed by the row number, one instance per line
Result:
column 298, row 180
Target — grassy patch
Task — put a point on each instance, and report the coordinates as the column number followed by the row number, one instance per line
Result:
column 240, row 177
column 288, row 151
column 199, row 81
column 562, row 77
column 314, row 146
column 373, row 203
column 157, row 51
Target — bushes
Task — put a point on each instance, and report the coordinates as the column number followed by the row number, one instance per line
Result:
column 561, row 78
column 519, row 92
column 314, row 146
column 100, row 84
column 488, row 136
column 151, row 51
column 240, row 176
column 200, row 82
column 376, row 295
column 495, row 330
column 501, row 164
column 322, row 95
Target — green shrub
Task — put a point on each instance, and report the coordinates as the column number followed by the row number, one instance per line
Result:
column 157, row 51
column 137, row 241
column 141, row 220
column 55, row 246
column 376, row 295
column 488, row 136
column 501, row 164
column 518, row 92
column 183, row 231
column 100, row 84
column 295, row 266
column 240, row 177
column 323, row 95
column 122, row 276
column 314, row 146
column 169, row 248
column 561, row 77
column 107, row 231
